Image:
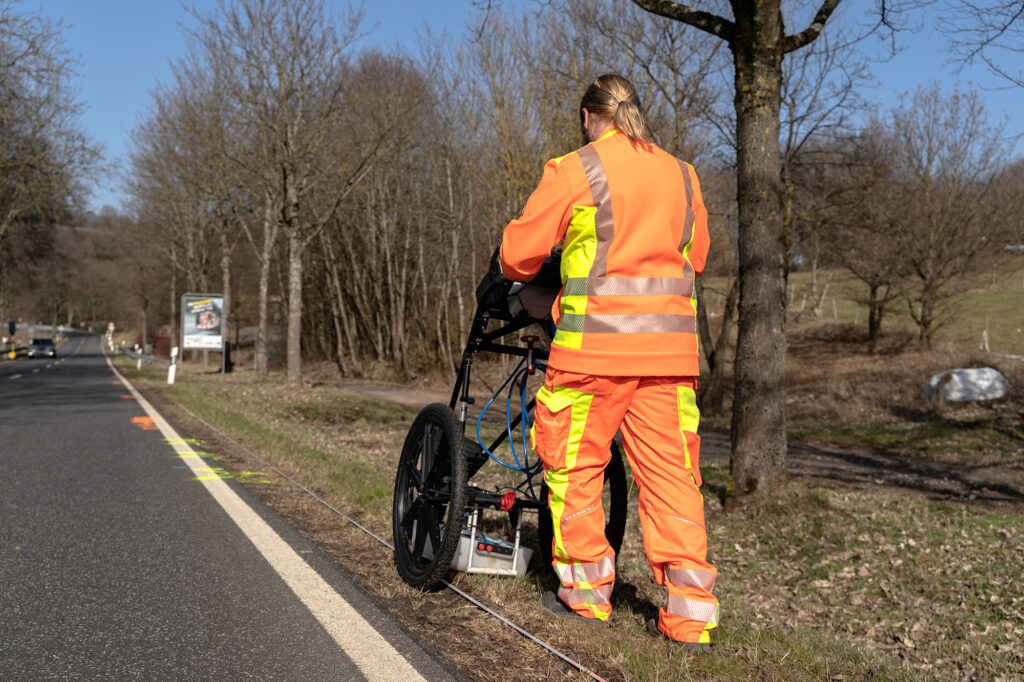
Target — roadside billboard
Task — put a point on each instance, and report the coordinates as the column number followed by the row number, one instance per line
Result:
column 201, row 318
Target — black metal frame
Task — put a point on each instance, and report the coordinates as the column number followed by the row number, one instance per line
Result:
column 492, row 297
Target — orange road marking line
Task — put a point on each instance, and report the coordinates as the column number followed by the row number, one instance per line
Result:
column 126, row 396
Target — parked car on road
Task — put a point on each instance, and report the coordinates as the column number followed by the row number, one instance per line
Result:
column 42, row 348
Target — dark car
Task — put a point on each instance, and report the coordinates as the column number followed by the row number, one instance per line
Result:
column 42, row 348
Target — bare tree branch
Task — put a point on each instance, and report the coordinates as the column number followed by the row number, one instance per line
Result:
column 809, row 34
column 705, row 21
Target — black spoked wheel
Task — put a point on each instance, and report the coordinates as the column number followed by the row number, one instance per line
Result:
column 615, row 510
column 430, row 497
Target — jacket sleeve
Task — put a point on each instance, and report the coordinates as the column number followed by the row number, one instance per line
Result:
column 701, row 237
column 528, row 240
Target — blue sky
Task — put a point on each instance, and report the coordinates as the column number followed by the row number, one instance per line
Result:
column 125, row 45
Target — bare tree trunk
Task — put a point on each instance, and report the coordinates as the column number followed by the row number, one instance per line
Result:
column 225, row 269
column 270, row 228
column 175, row 341
column 876, row 308
column 337, row 303
column 712, row 393
column 294, row 308
column 758, row 462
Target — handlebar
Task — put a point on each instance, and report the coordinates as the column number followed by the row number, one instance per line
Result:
column 503, row 298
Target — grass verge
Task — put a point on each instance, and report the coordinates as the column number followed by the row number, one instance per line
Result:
column 828, row 583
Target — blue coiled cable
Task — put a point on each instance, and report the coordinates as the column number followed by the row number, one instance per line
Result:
column 516, row 379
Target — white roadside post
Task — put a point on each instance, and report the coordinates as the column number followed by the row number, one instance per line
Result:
column 174, row 365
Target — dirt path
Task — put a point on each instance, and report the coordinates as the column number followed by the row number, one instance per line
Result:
column 861, row 469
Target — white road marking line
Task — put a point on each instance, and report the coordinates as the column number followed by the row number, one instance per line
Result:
column 35, row 370
column 49, row 366
column 15, row 376
column 372, row 654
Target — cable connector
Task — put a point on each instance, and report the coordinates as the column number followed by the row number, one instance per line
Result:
column 530, row 340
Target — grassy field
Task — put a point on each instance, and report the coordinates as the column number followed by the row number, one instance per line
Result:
column 992, row 300
column 829, row 583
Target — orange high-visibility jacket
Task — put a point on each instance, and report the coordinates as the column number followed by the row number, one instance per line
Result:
column 634, row 233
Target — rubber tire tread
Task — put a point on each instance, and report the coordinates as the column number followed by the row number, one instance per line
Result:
column 431, row 577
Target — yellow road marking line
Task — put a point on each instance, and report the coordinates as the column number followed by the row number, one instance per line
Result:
column 372, row 654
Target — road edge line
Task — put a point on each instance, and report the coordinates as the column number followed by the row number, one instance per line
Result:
column 375, row 657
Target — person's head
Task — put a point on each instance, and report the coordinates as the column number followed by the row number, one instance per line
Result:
column 611, row 101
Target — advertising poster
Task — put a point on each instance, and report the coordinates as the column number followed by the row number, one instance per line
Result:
column 201, row 321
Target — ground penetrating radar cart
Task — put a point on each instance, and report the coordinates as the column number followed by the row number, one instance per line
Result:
column 441, row 521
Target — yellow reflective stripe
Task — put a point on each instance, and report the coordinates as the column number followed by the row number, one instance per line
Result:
column 688, row 219
column 556, row 402
column 578, row 585
column 608, row 133
column 689, row 417
column 559, row 159
column 578, row 250
column 689, row 233
column 591, row 596
column 572, row 572
column 558, row 479
column 558, row 485
column 580, row 410
column 604, row 224
column 567, row 339
column 579, row 246
column 573, row 305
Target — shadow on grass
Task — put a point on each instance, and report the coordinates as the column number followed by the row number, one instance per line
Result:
column 1007, row 423
column 947, row 480
column 627, row 594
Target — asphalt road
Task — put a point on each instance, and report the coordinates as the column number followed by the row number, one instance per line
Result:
column 120, row 560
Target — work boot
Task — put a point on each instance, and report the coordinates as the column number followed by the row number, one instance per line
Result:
column 551, row 602
column 695, row 648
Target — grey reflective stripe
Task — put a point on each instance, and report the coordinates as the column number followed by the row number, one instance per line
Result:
column 691, row 577
column 628, row 286
column 603, row 225
column 627, row 324
column 592, row 596
column 679, row 518
column 705, row 612
column 688, row 222
column 575, row 573
column 574, row 514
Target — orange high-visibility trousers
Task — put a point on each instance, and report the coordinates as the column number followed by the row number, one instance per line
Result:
column 576, row 417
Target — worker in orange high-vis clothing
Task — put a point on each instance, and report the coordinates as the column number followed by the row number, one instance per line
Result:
column 633, row 229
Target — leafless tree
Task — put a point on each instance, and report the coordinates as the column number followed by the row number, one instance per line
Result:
column 757, row 38
column 45, row 157
column 991, row 31
column 946, row 156
column 283, row 64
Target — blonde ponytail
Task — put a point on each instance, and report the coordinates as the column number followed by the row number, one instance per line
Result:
column 613, row 97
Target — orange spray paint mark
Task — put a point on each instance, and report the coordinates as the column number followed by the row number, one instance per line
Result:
column 144, row 423
column 128, row 397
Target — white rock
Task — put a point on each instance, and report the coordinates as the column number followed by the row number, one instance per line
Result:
column 968, row 385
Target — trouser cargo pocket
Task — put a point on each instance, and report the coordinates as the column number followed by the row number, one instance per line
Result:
column 558, row 421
